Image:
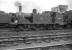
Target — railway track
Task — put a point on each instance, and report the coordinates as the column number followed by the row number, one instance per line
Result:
column 64, row 47
column 44, row 36
column 34, row 39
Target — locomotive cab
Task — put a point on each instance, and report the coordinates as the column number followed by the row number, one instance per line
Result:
column 14, row 19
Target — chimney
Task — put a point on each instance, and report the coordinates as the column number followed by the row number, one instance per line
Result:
column 34, row 11
column 20, row 8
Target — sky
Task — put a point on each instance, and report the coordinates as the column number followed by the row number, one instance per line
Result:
column 69, row 4
column 28, row 5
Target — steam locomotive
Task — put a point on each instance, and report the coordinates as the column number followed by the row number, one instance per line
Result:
column 36, row 21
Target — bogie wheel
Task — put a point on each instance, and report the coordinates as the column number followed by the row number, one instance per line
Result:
column 56, row 26
column 31, row 27
column 68, row 26
column 19, row 28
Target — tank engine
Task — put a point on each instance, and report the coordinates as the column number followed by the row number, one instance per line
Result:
column 35, row 21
